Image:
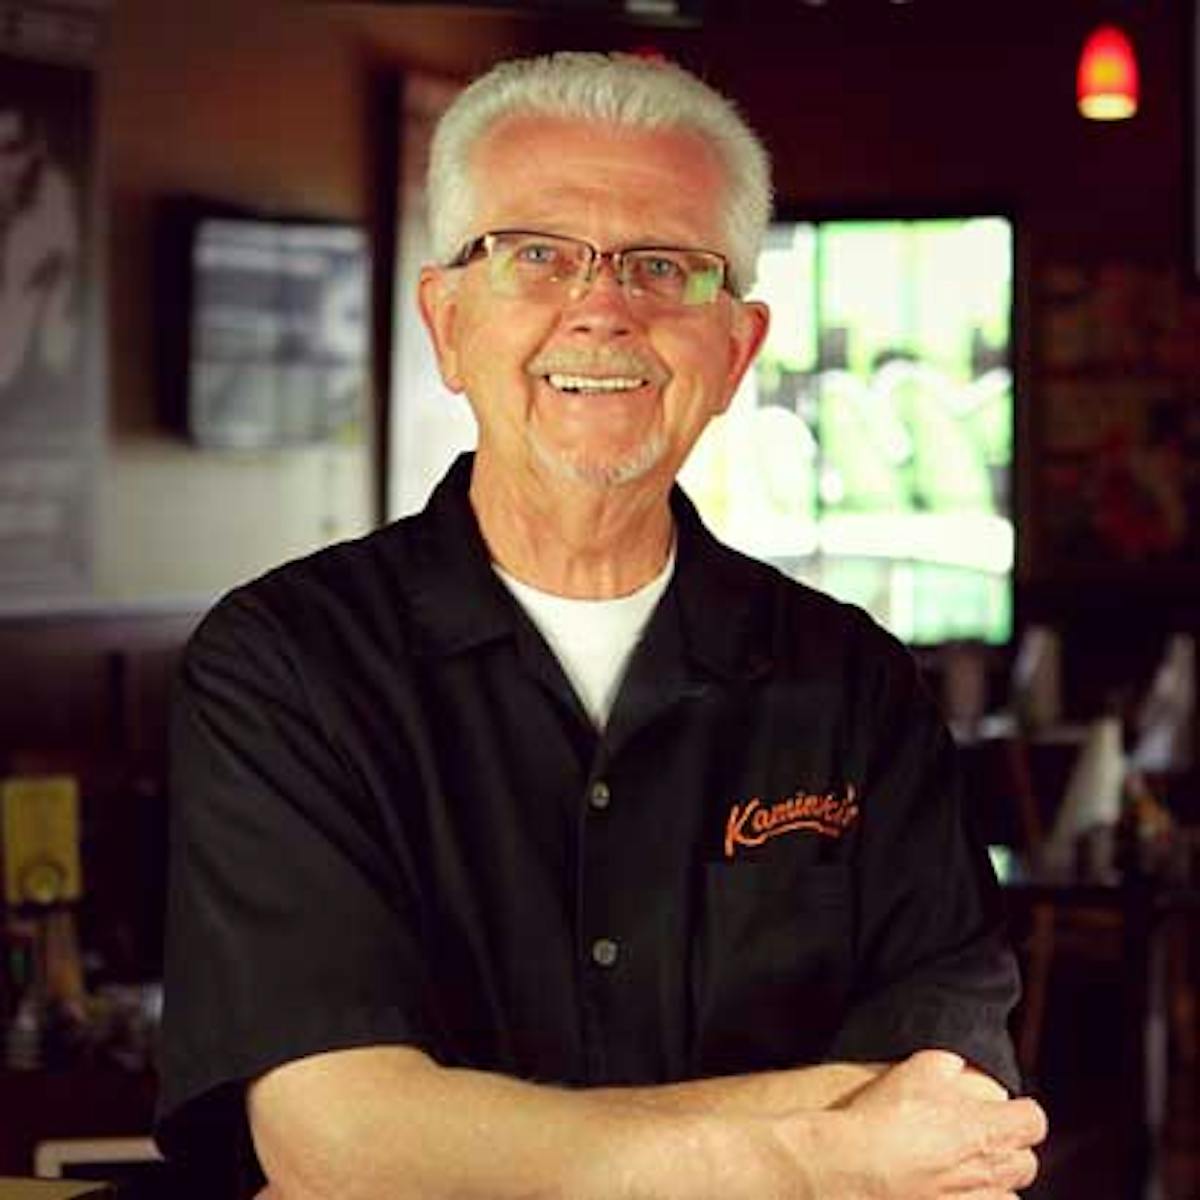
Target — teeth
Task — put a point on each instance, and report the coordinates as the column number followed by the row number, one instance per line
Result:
column 592, row 383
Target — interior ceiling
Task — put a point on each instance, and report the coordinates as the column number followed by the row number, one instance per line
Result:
column 684, row 14
column 461, row 37
column 453, row 39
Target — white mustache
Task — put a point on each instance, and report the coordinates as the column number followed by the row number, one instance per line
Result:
column 600, row 361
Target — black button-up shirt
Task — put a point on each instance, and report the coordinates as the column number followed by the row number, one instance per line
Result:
column 394, row 823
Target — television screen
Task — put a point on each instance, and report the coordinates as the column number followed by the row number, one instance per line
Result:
column 869, row 452
column 278, row 332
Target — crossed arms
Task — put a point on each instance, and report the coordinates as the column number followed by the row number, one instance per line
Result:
column 389, row 1122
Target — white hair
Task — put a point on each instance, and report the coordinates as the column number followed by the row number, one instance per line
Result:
column 619, row 88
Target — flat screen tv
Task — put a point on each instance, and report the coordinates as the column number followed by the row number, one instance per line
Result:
column 870, row 452
column 262, row 326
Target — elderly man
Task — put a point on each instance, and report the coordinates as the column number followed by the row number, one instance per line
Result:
column 539, row 845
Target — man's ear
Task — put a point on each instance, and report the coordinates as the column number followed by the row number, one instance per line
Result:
column 748, row 328
column 438, row 301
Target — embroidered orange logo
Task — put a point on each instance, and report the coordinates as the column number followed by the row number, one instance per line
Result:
column 753, row 823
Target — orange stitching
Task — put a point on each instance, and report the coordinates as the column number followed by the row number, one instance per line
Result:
column 828, row 815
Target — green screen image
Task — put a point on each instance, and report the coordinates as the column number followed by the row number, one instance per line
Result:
column 869, row 452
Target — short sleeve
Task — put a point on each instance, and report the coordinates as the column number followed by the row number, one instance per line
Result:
column 934, row 966
column 291, row 929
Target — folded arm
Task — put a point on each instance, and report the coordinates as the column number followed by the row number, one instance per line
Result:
column 388, row 1121
column 763, row 1094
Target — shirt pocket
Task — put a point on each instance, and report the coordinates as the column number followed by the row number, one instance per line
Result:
column 772, row 973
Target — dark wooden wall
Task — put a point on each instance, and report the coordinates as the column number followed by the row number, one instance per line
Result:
column 87, row 694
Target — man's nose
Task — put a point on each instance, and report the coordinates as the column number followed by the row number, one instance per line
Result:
column 599, row 305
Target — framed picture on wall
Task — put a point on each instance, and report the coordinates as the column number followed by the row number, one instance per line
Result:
column 51, row 401
column 1192, row 84
column 1118, row 456
column 1192, row 145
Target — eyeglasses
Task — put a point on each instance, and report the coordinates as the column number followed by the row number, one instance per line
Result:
column 548, row 267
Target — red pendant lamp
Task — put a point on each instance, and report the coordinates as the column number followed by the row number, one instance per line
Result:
column 1106, row 84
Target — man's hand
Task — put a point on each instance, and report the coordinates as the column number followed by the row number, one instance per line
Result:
column 929, row 1129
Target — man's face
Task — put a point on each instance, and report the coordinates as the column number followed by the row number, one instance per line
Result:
column 511, row 355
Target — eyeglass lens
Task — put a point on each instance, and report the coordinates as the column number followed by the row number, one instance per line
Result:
column 540, row 266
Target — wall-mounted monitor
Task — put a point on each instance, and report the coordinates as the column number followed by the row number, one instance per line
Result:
column 263, row 326
column 870, row 452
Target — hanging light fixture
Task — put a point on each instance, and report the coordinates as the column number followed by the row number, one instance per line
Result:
column 1106, row 84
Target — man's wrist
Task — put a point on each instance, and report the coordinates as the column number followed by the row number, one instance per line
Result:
column 747, row 1157
column 637, row 1152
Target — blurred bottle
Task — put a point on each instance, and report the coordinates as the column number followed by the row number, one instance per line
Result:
column 49, row 1026
column 1166, row 719
column 1036, row 679
column 1093, row 796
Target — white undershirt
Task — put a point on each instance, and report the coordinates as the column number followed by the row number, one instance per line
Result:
column 592, row 639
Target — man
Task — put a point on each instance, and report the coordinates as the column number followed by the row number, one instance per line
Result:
column 539, row 845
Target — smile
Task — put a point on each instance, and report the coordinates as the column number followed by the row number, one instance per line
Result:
column 594, row 383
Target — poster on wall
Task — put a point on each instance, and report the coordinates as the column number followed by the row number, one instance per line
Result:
column 1118, row 462
column 51, row 397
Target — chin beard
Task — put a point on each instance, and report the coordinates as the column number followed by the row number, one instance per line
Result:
column 601, row 474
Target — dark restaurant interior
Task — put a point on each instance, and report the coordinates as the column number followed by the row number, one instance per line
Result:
column 125, row 515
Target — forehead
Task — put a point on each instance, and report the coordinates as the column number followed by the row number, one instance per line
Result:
column 599, row 180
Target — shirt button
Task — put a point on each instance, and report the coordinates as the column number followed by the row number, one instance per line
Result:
column 600, row 797
column 605, row 952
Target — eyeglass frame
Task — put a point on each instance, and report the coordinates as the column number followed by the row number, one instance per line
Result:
column 481, row 247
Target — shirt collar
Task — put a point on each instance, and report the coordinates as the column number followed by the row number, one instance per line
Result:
column 725, row 600
column 456, row 600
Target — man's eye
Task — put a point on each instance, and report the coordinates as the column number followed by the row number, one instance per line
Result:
column 537, row 254
column 659, row 267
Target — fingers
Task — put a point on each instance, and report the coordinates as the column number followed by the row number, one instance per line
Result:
column 979, row 1086
column 1011, row 1189
column 1025, row 1121
column 1003, row 1172
column 994, row 1177
column 1011, row 1172
column 1024, row 1169
column 943, row 1078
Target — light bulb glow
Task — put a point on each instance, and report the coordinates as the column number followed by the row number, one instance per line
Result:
column 1106, row 85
